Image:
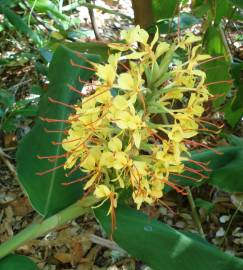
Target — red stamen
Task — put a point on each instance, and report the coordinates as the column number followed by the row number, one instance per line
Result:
column 212, row 124
column 95, row 95
column 49, row 120
column 194, row 143
column 61, row 103
column 77, row 180
column 56, row 131
column 51, row 170
column 50, row 157
column 218, row 82
column 80, row 66
column 196, row 172
column 188, row 177
column 200, row 164
column 75, row 90
column 167, row 206
column 211, row 59
column 176, row 187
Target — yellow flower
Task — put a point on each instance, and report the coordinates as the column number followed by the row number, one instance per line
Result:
column 130, row 131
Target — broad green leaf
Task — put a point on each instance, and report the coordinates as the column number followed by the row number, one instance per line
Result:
column 233, row 117
column 220, row 9
column 163, row 9
column 100, row 49
column 237, row 3
column 237, row 74
column 171, row 25
column 217, row 70
column 160, row 246
column 17, row 262
column 46, row 192
column 226, row 168
column 47, row 6
column 19, row 24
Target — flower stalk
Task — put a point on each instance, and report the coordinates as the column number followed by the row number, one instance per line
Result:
column 38, row 229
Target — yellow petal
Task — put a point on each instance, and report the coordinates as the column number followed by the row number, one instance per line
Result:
column 161, row 49
column 102, row 191
column 125, row 81
column 107, row 159
column 120, row 160
column 115, row 144
column 155, row 39
column 137, row 138
column 88, row 163
column 120, row 102
column 91, row 181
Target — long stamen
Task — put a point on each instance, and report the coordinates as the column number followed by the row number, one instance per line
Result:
column 204, row 145
column 55, row 131
column 51, row 157
column 196, row 172
column 210, row 123
column 80, row 66
column 51, row 170
column 200, row 164
column 186, row 176
column 211, row 59
column 176, row 187
column 76, row 90
column 49, row 120
column 61, row 103
column 95, row 95
column 219, row 82
column 77, row 180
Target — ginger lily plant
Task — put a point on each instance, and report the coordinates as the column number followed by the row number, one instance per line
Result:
column 133, row 129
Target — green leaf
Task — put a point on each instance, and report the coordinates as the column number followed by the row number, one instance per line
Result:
column 237, row 3
column 204, row 204
column 221, row 9
column 217, row 70
column 237, row 74
column 163, row 9
column 47, row 6
column 160, row 246
column 167, row 25
column 226, row 168
column 17, row 262
column 19, row 24
column 46, row 192
column 233, row 117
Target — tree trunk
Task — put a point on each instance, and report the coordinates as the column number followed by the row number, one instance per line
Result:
column 143, row 13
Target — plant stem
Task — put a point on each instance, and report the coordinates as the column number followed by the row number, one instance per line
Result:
column 194, row 212
column 35, row 230
column 88, row 5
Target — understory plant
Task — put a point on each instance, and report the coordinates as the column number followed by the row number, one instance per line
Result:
column 126, row 138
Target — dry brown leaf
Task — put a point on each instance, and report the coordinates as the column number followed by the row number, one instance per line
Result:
column 63, row 257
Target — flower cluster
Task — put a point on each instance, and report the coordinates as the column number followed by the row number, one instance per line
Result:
column 132, row 130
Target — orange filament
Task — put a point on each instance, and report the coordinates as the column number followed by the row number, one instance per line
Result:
column 55, row 131
column 49, row 120
column 61, row 103
column 51, row 170
column 80, row 66
column 218, row 82
column 196, row 172
column 75, row 90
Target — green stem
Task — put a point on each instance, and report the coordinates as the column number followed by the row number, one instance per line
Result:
column 35, row 230
column 194, row 212
column 88, row 5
